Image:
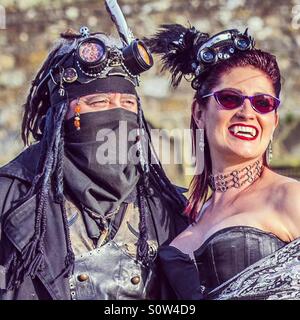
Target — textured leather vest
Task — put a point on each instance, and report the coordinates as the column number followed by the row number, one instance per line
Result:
column 111, row 271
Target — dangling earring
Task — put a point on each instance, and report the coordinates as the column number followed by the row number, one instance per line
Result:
column 269, row 153
column 77, row 116
column 200, row 151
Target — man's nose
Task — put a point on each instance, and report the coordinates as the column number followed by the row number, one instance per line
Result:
column 115, row 100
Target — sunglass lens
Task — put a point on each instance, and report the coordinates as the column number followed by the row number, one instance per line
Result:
column 264, row 103
column 229, row 99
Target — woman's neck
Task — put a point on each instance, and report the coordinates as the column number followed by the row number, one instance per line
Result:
column 225, row 168
column 229, row 182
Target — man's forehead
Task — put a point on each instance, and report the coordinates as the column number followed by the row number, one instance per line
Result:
column 94, row 95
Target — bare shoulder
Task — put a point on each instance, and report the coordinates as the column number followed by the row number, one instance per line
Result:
column 289, row 191
column 288, row 204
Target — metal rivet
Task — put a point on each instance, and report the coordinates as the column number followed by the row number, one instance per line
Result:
column 83, row 277
column 135, row 280
column 150, row 191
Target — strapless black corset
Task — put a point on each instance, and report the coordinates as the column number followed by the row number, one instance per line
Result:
column 222, row 256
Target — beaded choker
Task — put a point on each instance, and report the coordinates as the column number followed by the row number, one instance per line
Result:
column 236, row 178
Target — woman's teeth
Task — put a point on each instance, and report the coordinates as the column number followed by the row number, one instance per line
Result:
column 243, row 131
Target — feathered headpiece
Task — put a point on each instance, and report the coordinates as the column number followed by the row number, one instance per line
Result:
column 187, row 51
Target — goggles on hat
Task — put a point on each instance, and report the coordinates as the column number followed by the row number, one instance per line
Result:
column 92, row 57
column 89, row 59
column 220, row 47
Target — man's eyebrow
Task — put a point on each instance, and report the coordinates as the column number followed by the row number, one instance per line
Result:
column 92, row 98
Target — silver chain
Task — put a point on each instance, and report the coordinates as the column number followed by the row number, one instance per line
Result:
column 236, row 178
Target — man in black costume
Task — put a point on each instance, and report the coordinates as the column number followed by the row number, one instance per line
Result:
column 72, row 225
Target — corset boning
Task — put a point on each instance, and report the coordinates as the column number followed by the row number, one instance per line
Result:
column 222, row 256
column 230, row 251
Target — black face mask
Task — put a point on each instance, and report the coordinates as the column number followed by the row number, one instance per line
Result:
column 96, row 170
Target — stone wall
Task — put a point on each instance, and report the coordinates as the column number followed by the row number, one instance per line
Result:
column 32, row 27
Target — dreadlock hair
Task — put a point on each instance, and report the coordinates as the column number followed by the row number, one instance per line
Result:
column 45, row 123
column 31, row 259
column 151, row 170
column 178, row 47
column 142, row 245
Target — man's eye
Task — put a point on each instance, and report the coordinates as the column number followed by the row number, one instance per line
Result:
column 130, row 102
column 100, row 101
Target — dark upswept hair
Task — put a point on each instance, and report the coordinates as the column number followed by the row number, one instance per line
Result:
column 178, row 57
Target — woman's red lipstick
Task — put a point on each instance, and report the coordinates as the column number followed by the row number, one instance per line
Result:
column 237, row 128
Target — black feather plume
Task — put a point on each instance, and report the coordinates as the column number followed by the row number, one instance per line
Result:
column 178, row 47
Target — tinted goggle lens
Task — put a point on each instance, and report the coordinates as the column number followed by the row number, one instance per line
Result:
column 242, row 43
column 207, row 55
column 262, row 103
column 92, row 51
column 144, row 54
column 137, row 58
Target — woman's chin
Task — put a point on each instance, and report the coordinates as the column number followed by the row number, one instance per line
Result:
column 243, row 151
column 247, row 154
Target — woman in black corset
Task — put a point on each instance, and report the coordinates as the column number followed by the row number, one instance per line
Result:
column 242, row 242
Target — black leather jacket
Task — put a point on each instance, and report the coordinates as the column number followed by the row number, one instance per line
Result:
column 17, row 226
